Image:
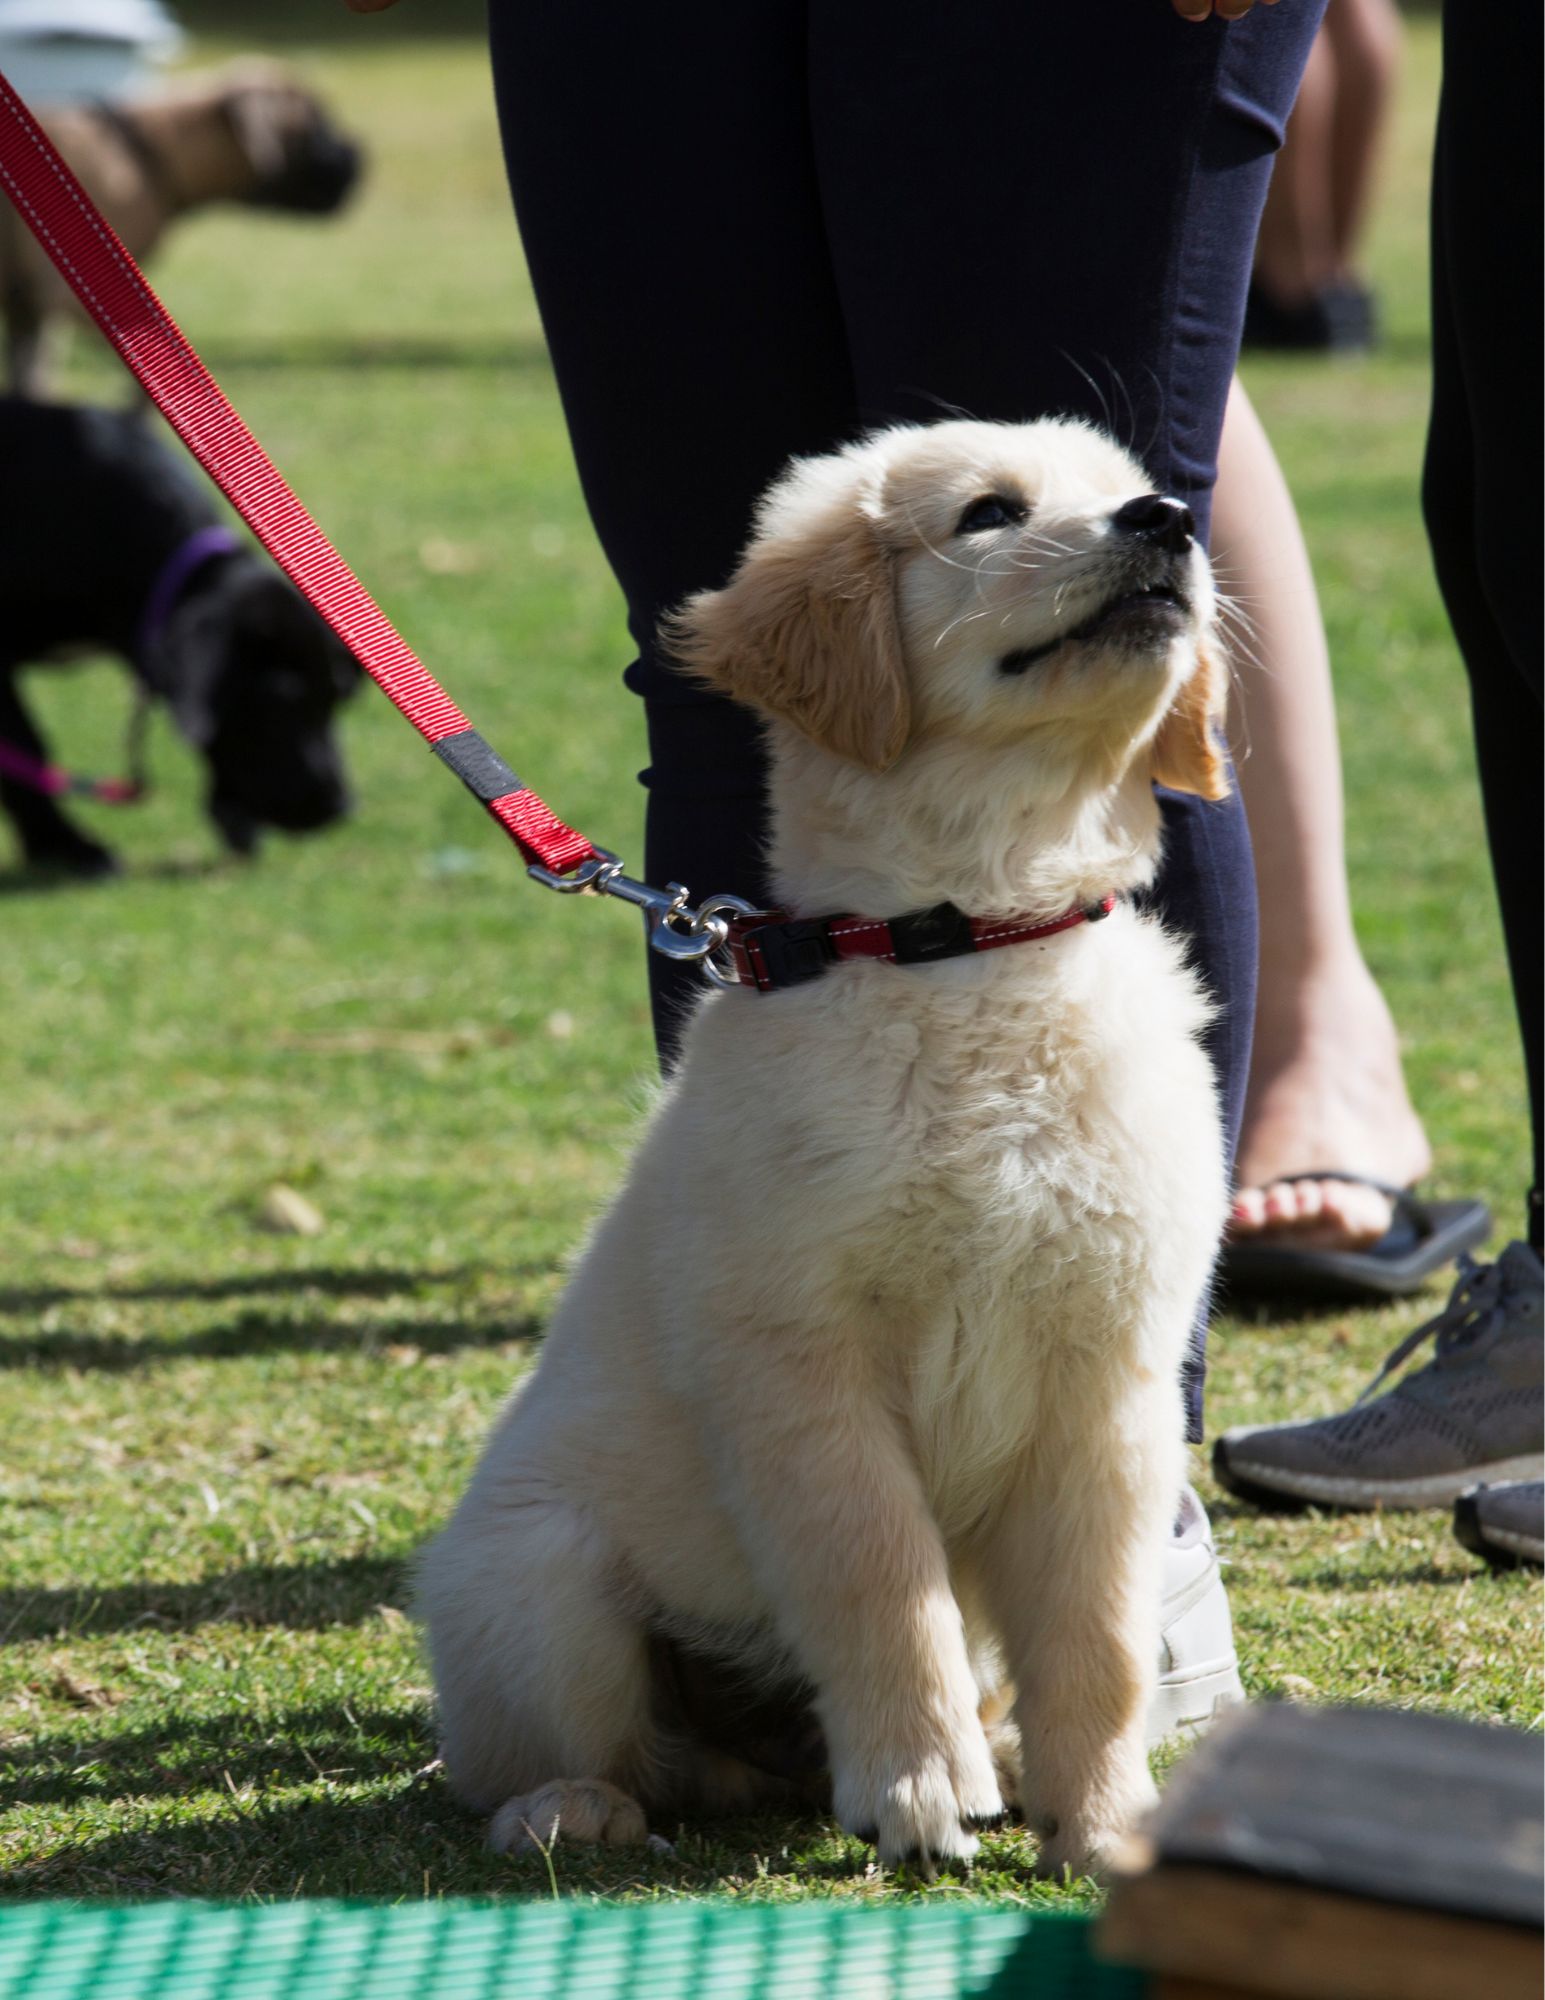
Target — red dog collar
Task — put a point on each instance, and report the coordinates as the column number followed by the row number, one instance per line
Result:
column 768, row 949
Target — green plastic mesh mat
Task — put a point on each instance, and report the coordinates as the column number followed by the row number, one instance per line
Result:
column 546, row 1951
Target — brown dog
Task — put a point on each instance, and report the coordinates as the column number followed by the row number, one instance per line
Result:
column 248, row 133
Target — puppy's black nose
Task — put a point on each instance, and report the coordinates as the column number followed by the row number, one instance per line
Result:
column 1159, row 519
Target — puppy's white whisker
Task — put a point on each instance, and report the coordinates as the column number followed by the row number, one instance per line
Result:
column 1116, row 377
column 1242, row 629
column 941, row 555
column 965, row 618
column 1242, row 638
column 1146, row 454
column 1105, row 411
column 1241, row 621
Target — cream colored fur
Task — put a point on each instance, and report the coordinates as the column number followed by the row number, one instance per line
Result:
column 872, row 1367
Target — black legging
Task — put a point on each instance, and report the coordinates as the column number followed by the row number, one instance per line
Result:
column 1481, row 487
column 754, row 231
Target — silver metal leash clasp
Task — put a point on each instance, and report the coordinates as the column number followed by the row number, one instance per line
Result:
column 583, row 877
column 673, row 928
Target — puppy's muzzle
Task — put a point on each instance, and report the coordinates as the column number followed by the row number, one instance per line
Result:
column 1156, row 534
column 1156, row 517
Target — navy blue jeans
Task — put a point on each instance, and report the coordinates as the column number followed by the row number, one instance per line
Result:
column 1481, row 483
column 756, row 231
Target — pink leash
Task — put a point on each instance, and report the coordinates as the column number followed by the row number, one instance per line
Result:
column 57, row 783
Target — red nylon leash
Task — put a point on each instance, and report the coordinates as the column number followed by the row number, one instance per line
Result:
column 110, row 286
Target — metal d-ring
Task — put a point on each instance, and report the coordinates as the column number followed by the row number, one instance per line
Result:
column 718, row 966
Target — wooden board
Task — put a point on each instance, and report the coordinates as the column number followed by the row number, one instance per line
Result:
column 1218, row 1935
column 1343, row 1854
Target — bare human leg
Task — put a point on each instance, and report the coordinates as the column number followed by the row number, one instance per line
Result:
column 1295, row 256
column 1365, row 38
column 1308, row 290
column 1326, row 1083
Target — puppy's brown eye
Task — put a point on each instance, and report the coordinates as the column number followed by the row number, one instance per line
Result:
column 991, row 511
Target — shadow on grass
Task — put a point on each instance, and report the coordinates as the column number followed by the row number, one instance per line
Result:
column 296, row 1596
column 27, row 881
column 1273, row 1315
column 291, row 22
column 36, row 879
column 312, row 1847
column 400, row 1832
column 1394, row 1575
column 409, row 1838
column 1223, row 1506
column 1410, row 346
column 383, row 351
column 184, row 1755
column 256, row 1333
column 335, row 1281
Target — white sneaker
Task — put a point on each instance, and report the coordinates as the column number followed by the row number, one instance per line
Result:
column 1198, row 1667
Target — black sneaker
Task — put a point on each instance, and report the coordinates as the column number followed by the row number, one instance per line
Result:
column 1503, row 1524
column 1340, row 319
column 1472, row 1414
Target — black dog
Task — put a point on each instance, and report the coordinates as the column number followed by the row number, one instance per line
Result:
column 108, row 543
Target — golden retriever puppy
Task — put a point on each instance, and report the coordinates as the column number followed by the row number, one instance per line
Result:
column 858, row 1431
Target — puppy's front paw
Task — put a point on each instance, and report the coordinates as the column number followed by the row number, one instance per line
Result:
column 1078, row 1850
column 923, row 1808
column 1087, row 1842
column 568, row 1809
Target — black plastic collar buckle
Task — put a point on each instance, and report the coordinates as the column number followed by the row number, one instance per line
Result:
column 942, row 932
column 792, row 953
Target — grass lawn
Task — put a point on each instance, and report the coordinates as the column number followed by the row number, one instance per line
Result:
column 219, row 1447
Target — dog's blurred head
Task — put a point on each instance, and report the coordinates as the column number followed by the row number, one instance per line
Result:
column 253, row 678
column 296, row 158
column 994, row 584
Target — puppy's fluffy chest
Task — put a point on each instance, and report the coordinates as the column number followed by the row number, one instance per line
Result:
column 971, row 1138
column 998, row 1175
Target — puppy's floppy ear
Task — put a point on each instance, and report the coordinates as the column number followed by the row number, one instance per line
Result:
column 806, row 629
column 1186, row 752
column 191, row 662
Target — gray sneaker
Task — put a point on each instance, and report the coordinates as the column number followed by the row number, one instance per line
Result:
column 1472, row 1414
column 1505, row 1524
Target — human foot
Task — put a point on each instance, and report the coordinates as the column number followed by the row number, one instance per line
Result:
column 1320, row 1212
column 1326, row 1090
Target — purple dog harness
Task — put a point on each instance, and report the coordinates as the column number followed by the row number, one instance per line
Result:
column 172, row 579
